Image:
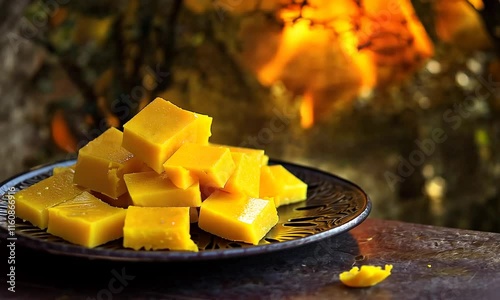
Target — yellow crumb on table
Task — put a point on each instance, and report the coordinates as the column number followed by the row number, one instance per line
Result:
column 365, row 276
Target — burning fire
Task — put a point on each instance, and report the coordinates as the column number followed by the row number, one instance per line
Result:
column 292, row 37
column 374, row 44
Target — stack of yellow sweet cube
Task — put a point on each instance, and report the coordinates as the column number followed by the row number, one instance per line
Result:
column 149, row 183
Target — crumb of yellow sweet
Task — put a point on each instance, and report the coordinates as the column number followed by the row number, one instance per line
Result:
column 429, row 266
column 366, row 276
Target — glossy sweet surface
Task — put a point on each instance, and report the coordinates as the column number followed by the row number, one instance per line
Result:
column 85, row 220
column 277, row 182
column 102, row 163
column 211, row 166
column 237, row 217
column 154, row 228
column 32, row 203
column 246, row 176
column 155, row 190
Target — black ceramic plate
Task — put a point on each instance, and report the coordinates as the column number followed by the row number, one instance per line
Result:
column 333, row 206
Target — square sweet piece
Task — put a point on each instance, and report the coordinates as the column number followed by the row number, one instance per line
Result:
column 246, row 177
column 102, row 163
column 237, row 217
column 32, row 203
column 211, row 165
column 159, row 129
column 86, row 220
column 278, row 183
column 156, row 190
column 158, row 228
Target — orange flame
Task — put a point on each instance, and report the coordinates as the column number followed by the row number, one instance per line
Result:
column 292, row 37
column 374, row 45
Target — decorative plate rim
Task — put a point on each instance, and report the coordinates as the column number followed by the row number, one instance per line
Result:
column 175, row 256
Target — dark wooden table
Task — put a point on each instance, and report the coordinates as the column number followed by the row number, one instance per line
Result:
column 429, row 263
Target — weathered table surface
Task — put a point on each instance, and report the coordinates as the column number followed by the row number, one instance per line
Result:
column 429, row 262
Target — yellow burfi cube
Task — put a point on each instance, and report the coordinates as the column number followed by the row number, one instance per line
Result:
column 246, row 176
column 212, row 166
column 102, row 163
column 278, row 183
column 270, row 186
column 32, row 203
column 237, row 217
column 86, row 220
column 259, row 153
column 158, row 228
column 152, row 189
column 158, row 130
column 366, row 276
